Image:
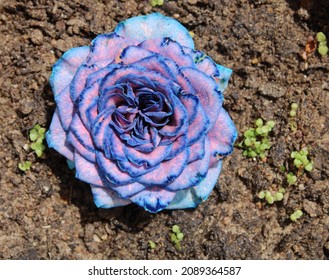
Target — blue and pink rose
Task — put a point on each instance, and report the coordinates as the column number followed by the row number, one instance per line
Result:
column 140, row 114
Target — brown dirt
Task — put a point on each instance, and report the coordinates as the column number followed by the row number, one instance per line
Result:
column 46, row 213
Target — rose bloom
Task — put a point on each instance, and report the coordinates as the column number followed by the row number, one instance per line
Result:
column 139, row 113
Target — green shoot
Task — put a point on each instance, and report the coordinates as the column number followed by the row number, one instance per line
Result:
column 296, row 215
column 176, row 236
column 156, row 3
column 37, row 135
column 152, row 244
column 25, row 165
column 256, row 142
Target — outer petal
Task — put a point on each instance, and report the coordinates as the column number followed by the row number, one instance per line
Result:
column 204, row 189
column 153, row 199
column 207, row 91
column 65, row 107
column 106, row 198
column 192, row 197
column 193, row 173
column 107, row 47
column 153, row 26
column 66, row 67
column 222, row 137
column 87, row 171
column 56, row 138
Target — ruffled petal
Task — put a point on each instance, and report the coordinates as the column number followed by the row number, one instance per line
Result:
column 193, row 173
column 65, row 108
column 192, row 197
column 224, row 75
column 222, row 137
column 167, row 171
column 153, row 199
column 168, row 48
column 106, row 198
column 197, row 150
column 76, row 142
column 154, row 26
column 81, row 133
column 87, row 171
column 204, row 189
column 126, row 191
column 207, row 91
column 56, row 138
column 111, row 171
column 66, row 67
column 132, row 54
column 87, row 104
column 184, row 199
column 135, row 170
column 107, row 47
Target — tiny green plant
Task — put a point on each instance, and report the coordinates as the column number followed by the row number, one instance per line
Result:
column 25, row 165
column 256, row 141
column 291, row 178
column 293, row 109
column 152, row 244
column 37, row 135
column 322, row 46
column 301, row 160
column 272, row 197
column 296, row 215
column 156, row 3
column 176, row 236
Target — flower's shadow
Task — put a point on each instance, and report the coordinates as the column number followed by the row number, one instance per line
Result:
column 317, row 11
column 129, row 218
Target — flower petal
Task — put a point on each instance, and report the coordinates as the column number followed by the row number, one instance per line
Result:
column 106, row 198
column 56, row 138
column 65, row 108
column 206, row 89
column 87, row 171
column 153, row 199
column 132, row 54
column 153, row 26
column 193, row 173
column 168, row 48
column 66, row 67
column 184, row 199
column 222, row 137
column 107, row 47
column 111, row 171
column 79, row 81
column 197, row 150
column 204, row 189
column 192, row 197
column 167, row 171
column 126, row 191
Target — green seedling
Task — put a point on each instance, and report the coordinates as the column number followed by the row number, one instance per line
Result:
column 272, row 197
column 176, row 236
column 291, row 178
column 37, row 135
column 301, row 161
column 152, row 244
column 256, row 142
column 293, row 109
column 156, row 3
column 322, row 46
column 296, row 215
column 25, row 165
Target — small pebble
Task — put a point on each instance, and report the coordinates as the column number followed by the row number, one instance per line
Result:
column 36, row 37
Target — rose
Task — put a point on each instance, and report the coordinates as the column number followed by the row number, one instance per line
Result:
column 139, row 112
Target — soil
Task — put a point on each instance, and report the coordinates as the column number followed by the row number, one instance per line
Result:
column 45, row 213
